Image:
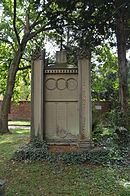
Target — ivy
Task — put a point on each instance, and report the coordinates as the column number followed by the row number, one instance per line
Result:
column 37, row 150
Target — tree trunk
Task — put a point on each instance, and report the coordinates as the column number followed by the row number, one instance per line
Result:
column 5, row 108
column 122, row 63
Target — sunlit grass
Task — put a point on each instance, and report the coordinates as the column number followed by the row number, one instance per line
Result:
column 19, row 123
column 10, row 142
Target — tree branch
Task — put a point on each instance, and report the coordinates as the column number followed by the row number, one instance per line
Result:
column 9, row 42
column 42, row 11
column 20, row 20
column 14, row 23
column 36, row 23
column 43, row 28
column 23, row 68
column 26, row 59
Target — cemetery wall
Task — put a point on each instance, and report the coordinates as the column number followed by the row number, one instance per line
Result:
column 22, row 111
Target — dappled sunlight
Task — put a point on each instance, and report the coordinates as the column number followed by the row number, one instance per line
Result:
column 11, row 138
column 6, row 139
column 9, row 143
column 124, row 183
column 120, row 180
column 19, row 123
column 20, row 131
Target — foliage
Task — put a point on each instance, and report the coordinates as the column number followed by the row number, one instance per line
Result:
column 117, row 119
column 97, row 130
column 21, row 23
column 118, row 147
column 90, row 22
column 104, row 74
column 5, row 61
column 111, row 133
column 100, row 20
column 38, row 150
column 35, row 150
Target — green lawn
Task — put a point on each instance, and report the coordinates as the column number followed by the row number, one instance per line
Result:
column 42, row 178
column 17, row 122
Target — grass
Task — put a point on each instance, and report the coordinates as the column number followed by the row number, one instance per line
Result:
column 42, row 178
column 24, row 123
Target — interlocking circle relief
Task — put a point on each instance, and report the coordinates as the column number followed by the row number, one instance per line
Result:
column 61, row 83
column 72, row 84
column 50, row 84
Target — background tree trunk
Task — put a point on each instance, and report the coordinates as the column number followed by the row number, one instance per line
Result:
column 122, row 63
column 5, row 108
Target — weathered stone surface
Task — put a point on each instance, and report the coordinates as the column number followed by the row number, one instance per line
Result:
column 61, row 105
column 37, row 54
column 61, row 57
column 2, row 187
column 85, row 113
column 83, row 53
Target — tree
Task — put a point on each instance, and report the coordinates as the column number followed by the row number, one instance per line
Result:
column 22, row 22
column 104, row 75
column 100, row 20
column 22, row 77
column 122, row 39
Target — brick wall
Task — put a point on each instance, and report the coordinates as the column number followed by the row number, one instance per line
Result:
column 22, row 111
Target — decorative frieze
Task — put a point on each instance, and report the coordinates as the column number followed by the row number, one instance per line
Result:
column 59, row 70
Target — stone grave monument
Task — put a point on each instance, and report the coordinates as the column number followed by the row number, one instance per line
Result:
column 61, row 100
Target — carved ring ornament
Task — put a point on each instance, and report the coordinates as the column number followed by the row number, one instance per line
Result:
column 50, row 84
column 72, row 84
column 61, row 84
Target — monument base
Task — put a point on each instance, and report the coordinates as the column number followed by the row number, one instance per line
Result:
column 60, row 147
column 63, row 148
column 84, row 145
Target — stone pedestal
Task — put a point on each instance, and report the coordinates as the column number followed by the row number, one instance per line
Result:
column 85, row 113
column 61, row 57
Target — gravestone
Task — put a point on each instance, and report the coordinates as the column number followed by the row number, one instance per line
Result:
column 2, row 187
column 60, row 100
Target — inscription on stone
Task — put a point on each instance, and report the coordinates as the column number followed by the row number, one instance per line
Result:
column 83, row 108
